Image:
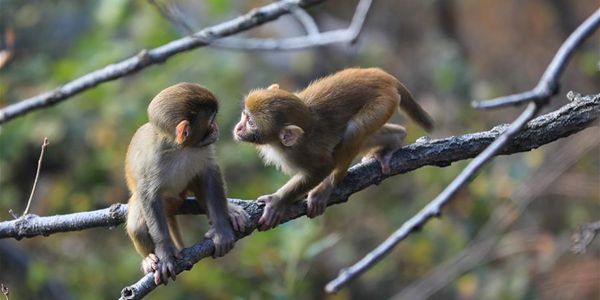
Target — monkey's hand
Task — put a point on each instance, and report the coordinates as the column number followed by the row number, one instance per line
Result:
column 238, row 217
column 223, row 237
column 272, row 213
column 150, row 263
column 167, row 254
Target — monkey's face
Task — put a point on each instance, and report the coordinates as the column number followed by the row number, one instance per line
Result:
column 247, row 129
column 202, row 131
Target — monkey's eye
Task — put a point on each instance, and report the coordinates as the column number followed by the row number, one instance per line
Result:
column 251, row 123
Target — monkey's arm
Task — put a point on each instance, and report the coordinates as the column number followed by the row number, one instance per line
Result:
column 211, row 188
column 298, row 186
column 156, row 220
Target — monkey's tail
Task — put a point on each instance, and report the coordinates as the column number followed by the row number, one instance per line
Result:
column 175, row 232
column 413, row 109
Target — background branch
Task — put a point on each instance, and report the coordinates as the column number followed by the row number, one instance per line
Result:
column 157, row 55
column 481, row 247
column 548, row 84
column 313, row 38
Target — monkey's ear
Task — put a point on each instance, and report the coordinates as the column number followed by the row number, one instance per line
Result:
column 290, row 135
column 273, row 86
column 182, row 132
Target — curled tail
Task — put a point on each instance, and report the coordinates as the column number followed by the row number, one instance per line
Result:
column 413, row 109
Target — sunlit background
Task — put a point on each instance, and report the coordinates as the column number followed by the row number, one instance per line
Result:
column 447, row 52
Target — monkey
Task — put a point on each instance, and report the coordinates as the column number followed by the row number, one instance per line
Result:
column 168, row 157
column 314, row 135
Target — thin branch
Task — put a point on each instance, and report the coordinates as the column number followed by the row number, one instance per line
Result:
column 548, row 85
column 503, row 217
column 348, row 35
column 146, row 58
column 37, row 175
column 434, row 208
column 584, row 237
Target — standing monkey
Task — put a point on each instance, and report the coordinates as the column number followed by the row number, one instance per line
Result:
column 313, row 135
column 168, row 157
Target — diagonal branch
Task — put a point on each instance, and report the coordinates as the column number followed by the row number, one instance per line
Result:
column 146, row 58
column 313, row 38
column 548, row 85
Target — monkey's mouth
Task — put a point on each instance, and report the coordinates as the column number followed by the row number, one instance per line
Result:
column 211, row 136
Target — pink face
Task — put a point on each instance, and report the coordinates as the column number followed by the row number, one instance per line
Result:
column 246, row 130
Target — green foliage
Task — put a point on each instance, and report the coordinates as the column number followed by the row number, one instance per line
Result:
column 83, row 166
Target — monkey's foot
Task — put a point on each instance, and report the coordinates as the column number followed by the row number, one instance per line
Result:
column 317, row 199
column 150, row 263
column 238, row 217
column 167, row 255
column 383, row 157
column 272, row 213
column 223, row 238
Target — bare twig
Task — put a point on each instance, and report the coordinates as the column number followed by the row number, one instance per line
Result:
column 348, row 35
column 37, row 175
column 157, row 55
column 434, row 208
column 584, row 236
column 548, row 85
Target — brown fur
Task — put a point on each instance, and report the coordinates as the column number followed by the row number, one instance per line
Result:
column 168, row 157
column 338, row 117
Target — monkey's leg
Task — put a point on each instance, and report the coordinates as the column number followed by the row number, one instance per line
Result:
column 142, row 241
column 155, row 216
column 237, row 215
column 383, row 144
column 317, row 197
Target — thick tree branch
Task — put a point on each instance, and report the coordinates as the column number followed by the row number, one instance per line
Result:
column 157, row 55
column 568, row 120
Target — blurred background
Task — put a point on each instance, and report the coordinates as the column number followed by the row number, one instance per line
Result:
column 448, row 52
